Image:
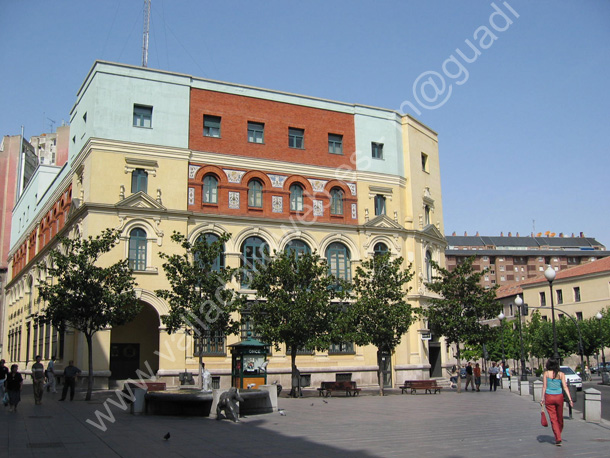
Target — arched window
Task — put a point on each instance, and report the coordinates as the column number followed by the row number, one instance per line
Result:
column 338, row 258
column 379, row 205
column 255, row 194
column 209, row 238
column 380, row 249
column 137, row 249
column 252, row 251
column 336, row 201
column 428, row 265
column 296, row 198
column 298, row 247
column 139, row 180
column 210, row 189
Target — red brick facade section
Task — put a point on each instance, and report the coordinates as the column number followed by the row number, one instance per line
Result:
column 235, row 111
column 49, row 226
column 307, row 215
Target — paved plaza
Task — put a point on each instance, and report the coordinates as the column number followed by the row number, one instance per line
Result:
column 451, row 425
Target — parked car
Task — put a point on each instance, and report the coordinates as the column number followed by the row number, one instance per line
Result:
column 572, row 377
column 595, row 369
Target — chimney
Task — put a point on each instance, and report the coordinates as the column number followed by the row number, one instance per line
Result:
column 453, row 234
column 517, row 235
column 561, row 235
column 501, row 234
column 510, row 234
column 465, row 234
column 582, row 235
column 477, row 233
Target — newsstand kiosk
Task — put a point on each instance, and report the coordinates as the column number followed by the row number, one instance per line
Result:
column 249, row 363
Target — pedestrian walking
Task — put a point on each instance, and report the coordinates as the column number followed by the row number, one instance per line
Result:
column 50, row 385
column 3, row 374
column 469, row 377
column 38, row 380
column 507, row 372
column 70, row 374
column 14, row 382
column 553, row 386
column 493, row 377
column 477, row 376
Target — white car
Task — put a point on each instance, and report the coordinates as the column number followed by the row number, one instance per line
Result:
column 572, row 377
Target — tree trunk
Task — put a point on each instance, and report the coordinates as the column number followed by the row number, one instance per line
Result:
column 295, row 391
column 380, row 373
column 459, row 367
column 90, row 376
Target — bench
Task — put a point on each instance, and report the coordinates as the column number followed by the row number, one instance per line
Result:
column 349, row 387
column 429, row 386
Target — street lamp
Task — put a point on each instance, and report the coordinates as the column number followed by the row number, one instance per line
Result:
column 519, row 303
column 599, row 316
column 501, row 318
column 549, row 273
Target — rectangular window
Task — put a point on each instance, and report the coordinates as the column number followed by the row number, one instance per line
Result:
column 343, row 348
column 335, row 144
column 142, row 116
column 300, row 351
column 542, row 299
column 35, row 339
column 40, row 340
column 47, row 341
column 379, row 205
column 296, row 138
column 211, row 126
column 212, row 344
column 139, row 181
column 377, row 150
column 256, row 132
column 424, row 162
column 577, row 294
column 559, row 297
column 579, row 316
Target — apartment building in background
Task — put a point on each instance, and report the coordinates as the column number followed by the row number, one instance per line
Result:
column 508, row 259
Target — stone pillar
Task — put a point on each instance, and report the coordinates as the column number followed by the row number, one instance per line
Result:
column 537, row 391
column 514, row 385
column 272, row 390
column 524, row 388
column 592, row 409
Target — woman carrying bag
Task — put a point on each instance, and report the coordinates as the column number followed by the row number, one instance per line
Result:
column 553, row 387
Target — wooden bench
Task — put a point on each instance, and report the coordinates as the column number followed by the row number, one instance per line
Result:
column 429, row 386
column 349, row 387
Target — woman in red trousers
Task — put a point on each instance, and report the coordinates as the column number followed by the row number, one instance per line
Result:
column 553, row 381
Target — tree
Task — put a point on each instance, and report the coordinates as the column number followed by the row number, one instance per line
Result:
column 457, row 314
column 199, row 299
column 296, row 304
column 84, row 295
column 381, row 315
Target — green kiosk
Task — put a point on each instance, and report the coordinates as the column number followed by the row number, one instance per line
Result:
column 249, row 363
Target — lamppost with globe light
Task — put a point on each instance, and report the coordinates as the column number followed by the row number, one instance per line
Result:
column 550, row 274
column 599, row 316
column 519, row 304
column 501, row 317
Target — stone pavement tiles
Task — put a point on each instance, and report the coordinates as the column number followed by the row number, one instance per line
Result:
column 450, row 425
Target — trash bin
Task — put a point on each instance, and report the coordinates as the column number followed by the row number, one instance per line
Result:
column 138, row 406
column 605, row 377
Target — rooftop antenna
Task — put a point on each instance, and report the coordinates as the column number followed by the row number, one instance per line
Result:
column 145, row 34
column 52, row 124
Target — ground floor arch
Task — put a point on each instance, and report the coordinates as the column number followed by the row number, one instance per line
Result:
column 135, row 345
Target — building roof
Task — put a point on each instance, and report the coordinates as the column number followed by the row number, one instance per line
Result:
column 575, row 252
column 574, row 243
column 509, row 289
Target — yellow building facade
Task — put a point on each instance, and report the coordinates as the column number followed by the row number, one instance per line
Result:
column 153, row 153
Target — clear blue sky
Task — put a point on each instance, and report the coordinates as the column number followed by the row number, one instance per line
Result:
column 523, row 138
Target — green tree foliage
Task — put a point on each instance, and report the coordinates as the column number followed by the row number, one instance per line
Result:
column 296, row 306
column 462, row 305
column 200, row 300
column 83, row 295
column 380, row 313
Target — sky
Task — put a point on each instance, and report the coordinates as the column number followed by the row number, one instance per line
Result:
column 517, row 90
